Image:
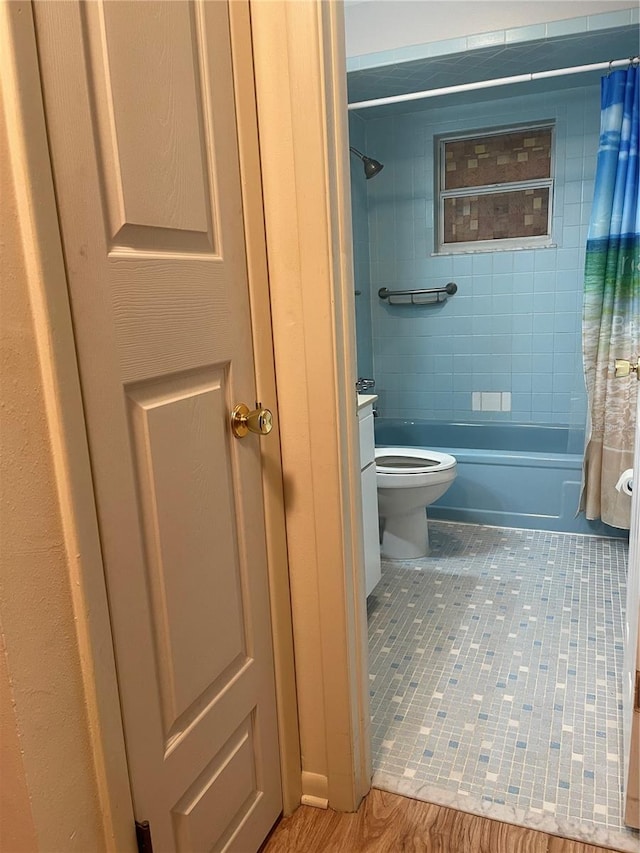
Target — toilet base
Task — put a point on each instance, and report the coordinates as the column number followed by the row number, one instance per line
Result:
column 406, row 537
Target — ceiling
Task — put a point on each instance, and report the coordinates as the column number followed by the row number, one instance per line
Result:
column 491, row 62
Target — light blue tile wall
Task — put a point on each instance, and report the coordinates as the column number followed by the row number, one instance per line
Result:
column 602, row 21
column 515, row 323
column 360, row 222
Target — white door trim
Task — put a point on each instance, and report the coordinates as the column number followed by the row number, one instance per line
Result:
column 275, row 520
column 301, row 90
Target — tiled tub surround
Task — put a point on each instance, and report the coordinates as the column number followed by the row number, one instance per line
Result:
column 360, row 226
column 546, row 45
column 509, row 475
column 496, row 678
column 515, row 323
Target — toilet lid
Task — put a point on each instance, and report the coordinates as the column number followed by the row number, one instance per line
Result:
column 411, row 460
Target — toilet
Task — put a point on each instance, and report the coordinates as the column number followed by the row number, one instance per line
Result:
column 409, row 479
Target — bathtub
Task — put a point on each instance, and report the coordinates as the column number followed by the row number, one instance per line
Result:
column 509, row 475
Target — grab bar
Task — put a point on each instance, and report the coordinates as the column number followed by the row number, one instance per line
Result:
column 431, row 294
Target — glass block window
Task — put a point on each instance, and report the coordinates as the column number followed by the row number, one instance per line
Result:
column 496, row 190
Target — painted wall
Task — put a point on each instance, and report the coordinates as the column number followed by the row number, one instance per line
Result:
column 42, row 656
column 515, row 324
column 379, row 25
column 17, row 829
column 52, row 732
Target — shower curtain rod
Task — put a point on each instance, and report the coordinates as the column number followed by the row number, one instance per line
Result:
column 499, row 81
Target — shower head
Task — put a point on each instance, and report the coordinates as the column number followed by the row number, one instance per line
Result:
column 371, row 167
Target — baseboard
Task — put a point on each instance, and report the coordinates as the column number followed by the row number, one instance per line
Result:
column 315, row 790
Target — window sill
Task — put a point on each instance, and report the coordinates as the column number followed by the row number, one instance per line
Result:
column 483, row 250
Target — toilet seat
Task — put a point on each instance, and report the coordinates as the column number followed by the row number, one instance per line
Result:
column 411, row 460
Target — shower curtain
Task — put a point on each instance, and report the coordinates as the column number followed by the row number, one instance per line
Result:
column 611, row 316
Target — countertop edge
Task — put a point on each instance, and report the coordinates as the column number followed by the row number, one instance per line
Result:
column 366, row 400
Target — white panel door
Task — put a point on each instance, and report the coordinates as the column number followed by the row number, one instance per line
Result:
column 140, row 110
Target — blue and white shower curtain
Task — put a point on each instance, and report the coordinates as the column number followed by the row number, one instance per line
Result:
column 611, row 315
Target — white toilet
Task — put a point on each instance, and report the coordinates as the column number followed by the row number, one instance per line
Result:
column 408, row 480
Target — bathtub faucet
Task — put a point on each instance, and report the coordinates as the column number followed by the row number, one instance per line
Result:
column 363, row 385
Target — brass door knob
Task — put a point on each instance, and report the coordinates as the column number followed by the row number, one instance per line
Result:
column 243, row 421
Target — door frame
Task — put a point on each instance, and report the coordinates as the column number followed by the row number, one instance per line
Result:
column 300, row 67
column 310, row 300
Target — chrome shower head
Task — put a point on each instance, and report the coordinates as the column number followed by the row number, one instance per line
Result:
column 371, row 166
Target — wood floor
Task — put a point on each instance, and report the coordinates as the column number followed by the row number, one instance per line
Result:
column 390, row 823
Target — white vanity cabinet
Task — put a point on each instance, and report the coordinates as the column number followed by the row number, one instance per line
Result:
column 369, row 491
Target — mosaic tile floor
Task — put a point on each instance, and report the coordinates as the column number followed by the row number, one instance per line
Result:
column 495, row 678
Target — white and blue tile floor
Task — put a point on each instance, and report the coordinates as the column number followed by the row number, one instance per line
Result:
column 495, row 678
